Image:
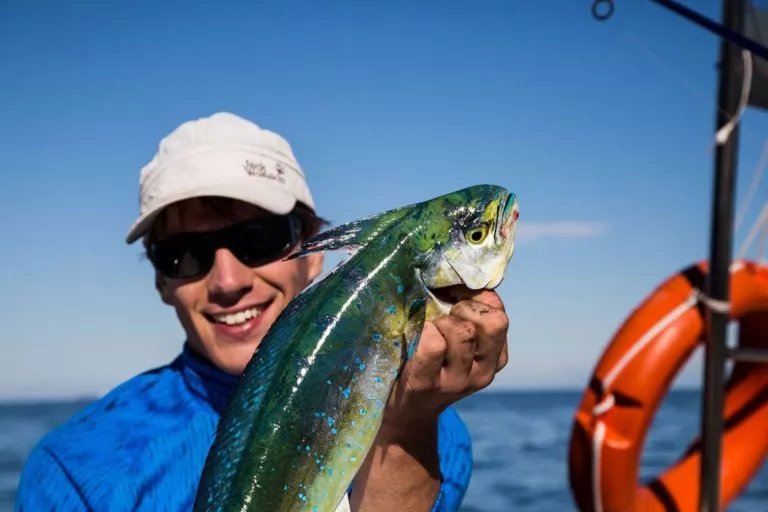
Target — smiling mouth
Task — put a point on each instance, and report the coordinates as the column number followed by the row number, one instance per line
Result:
column 238, row 318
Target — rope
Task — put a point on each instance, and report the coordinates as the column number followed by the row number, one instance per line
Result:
column 725, row 132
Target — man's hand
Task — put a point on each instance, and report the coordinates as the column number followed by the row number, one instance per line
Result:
column 457, row 355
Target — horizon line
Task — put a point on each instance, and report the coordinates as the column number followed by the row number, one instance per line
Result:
column 90, row 398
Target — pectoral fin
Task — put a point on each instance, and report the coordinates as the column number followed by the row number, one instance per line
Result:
column 417, row 313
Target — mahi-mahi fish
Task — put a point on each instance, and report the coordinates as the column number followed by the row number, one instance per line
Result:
column 311, row 399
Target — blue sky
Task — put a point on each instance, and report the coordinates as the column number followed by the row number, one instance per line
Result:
column 607, row 126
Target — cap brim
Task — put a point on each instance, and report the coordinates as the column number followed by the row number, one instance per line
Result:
column 259, row 193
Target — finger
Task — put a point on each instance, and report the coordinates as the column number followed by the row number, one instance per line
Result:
column 488, row 297
column 484, row 369
column 424, row 367
column 460, row 352
column 492, row 325
column 503, row 357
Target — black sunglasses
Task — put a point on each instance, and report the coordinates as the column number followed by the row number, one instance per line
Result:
column 254, row 242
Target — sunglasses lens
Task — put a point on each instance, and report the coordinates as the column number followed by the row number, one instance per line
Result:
column 182, row 257
column 253, row 242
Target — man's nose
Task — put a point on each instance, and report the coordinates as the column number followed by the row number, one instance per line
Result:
column 229, row 279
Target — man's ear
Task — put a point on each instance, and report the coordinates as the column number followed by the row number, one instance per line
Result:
column 314, row 265
column 162, row 288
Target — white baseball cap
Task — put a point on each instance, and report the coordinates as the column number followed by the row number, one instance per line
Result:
column 222, row 155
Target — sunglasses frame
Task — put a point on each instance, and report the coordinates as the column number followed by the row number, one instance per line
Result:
column 206, row 243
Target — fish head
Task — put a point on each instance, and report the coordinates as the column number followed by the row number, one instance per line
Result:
column 468, row 239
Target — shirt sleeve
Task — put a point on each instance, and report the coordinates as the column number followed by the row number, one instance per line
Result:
column 45, row 485
column 454, row 446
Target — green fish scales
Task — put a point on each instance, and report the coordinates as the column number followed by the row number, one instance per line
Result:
column 311, row 400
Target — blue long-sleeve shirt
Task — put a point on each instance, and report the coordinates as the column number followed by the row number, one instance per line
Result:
column 143, row 445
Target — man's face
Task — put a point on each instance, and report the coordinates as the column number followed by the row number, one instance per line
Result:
column 227, row 312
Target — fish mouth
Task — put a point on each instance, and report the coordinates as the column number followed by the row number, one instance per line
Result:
column 452, row 294
column 501, row 216
column 446, row 296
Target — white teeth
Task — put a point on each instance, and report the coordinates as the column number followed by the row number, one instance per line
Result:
column 239, row 317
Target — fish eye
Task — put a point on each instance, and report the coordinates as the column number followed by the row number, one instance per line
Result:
column 477, row 234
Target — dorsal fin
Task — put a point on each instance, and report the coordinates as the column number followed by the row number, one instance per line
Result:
column 351, row 235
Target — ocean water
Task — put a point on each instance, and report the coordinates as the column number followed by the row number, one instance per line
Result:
column 520, row 443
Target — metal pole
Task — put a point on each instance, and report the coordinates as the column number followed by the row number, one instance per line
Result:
column 719, row 263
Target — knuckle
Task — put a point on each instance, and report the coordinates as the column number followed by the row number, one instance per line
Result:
column 435, row 346
column 458, row 330
column 462, row 307
column 467, row 331
column 503, row 360
column 497, row 323
column 445, row 323
column 459, row 385
column 483, row 380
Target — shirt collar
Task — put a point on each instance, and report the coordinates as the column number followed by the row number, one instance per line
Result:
column 206, row 380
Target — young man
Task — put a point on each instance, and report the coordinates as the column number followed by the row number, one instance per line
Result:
column 222, row 202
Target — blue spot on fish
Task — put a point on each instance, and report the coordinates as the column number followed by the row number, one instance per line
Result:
column 400, row 288
column 376, row 337
column 391, row 310
column 362, row 366
column 333, row 430
column 346, row 392
column 362, row 411
column 377, row 379
column 411, row 350
column 331, row 421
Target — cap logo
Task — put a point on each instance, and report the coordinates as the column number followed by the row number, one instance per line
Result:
column 260, row 170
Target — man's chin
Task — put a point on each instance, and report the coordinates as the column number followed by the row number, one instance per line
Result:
column 234, row 357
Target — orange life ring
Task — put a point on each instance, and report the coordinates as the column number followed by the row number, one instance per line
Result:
column 631, row 379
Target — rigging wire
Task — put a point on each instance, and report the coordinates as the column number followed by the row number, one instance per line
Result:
column 602, row 10
column 757, row 176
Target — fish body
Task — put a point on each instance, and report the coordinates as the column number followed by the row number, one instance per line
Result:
column 311, row 399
